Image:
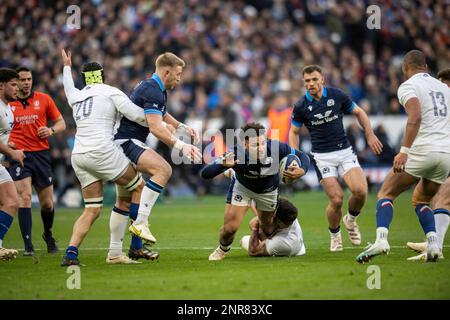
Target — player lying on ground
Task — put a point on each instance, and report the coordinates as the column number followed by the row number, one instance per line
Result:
column 151, row 96
column 95, row 158
column 9, row 199
column 424, row 157
column 286, row 239
column 321, row 110
column 441, row 203
column 255, row 161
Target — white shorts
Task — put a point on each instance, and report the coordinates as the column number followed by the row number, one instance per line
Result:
column 241, row 196
column 287, row 242
column 95, row 166
column 4, row 175
column 433, row 166
column 332, row 164
column 283, row 246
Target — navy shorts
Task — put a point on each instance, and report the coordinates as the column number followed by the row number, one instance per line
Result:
column 132, row 150
column 37, row 165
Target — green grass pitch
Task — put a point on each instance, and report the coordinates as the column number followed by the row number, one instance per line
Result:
column 187, row 232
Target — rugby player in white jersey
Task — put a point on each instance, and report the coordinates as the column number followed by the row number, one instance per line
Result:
column 424, row 156
column 441, row 203
column 286, row 240
column 9, row 200
column 95, row 158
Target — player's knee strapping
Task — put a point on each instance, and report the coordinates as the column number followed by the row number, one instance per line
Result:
column 93, row 202
column 134, row 183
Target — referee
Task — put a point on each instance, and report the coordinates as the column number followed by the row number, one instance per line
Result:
column 30, row 133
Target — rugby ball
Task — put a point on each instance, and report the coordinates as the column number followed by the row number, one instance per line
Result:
column 289, row 160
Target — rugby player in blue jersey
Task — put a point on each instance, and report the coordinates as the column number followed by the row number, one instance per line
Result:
column 255, row 161
column 321, row 110
column 151, row 95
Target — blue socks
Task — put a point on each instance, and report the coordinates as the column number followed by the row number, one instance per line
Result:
column 426, row 218
column 72, row 252
column 5, row 223
column 385, row 212
column 136, row 242
column 25, row 226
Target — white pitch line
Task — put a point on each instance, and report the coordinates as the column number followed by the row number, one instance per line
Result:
column 212, row 248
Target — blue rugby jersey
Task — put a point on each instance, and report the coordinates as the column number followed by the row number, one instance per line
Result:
column 150, row 95
column 262, row 176
column 323, row 118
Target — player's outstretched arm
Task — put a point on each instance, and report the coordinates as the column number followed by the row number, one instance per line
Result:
column 220, row 165
column 127, row 108
column 69, row 86
column 374, row 144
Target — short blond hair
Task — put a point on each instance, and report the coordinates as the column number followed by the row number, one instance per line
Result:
column 168, row 59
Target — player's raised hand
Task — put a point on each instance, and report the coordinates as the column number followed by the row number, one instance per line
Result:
column 66, row 57
column 228, row 159
column 17, row 155
column 374, row 144
column 399, row 162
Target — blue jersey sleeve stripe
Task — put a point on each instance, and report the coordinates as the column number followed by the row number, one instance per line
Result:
column 152, row 111
column 296, row 123
column 352, row 107
column 292, row 150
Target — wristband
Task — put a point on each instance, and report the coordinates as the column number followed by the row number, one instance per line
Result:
column 179, row 144
column 404, row 150
column 53, row 131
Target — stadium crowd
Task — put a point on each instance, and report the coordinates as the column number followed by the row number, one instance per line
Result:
column 244, row 58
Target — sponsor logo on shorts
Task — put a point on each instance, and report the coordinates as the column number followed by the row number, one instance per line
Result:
column 238, row 198
column 326, row 170
column 17, row 171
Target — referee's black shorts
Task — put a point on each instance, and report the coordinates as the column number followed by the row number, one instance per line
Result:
column 37, row 165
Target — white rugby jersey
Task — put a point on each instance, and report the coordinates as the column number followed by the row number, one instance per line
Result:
column 95, row 110
column 287, row 242
column 434, row 98
column 6, row 124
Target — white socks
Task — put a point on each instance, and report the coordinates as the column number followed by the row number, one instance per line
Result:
column 442, row 222
column 148, row 199
column 117, row 225
column 351, row 218
column 382, row 233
